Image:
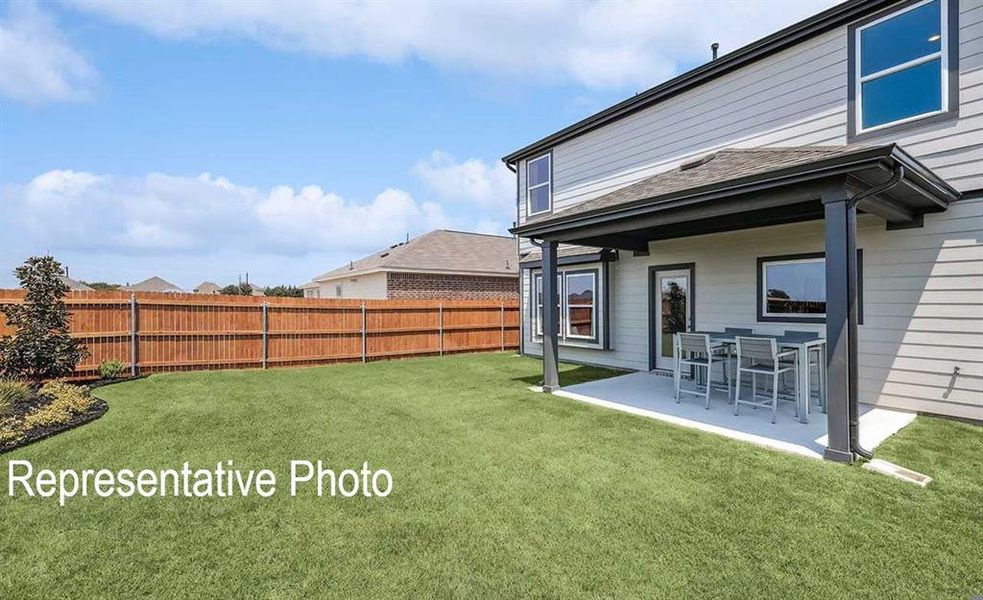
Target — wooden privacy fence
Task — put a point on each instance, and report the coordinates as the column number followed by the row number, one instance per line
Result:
column 154, row 332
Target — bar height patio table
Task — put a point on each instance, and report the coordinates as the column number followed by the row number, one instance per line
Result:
column 802, row 344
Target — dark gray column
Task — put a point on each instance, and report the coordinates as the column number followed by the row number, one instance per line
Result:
column 551, row 319
column 841, row 321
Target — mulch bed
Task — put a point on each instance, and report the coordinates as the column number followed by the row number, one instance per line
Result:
column 96, row 410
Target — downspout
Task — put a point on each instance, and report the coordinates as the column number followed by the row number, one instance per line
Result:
column 854, row 406
column 518, row 265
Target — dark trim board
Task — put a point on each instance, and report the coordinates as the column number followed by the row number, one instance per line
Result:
column 601, row 256
column 759, row 279
column 952, row 59
column 691, row 267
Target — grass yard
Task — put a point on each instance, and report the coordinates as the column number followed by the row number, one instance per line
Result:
column 498, row 492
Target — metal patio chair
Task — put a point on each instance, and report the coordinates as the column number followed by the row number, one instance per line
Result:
column 817, row 357
column 763, row 358
column 730, row 349
column 694, row 349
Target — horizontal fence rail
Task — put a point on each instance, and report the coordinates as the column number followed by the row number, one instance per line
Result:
column 155, row 332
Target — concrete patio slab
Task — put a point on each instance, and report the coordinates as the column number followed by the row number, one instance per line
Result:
column 650, row 395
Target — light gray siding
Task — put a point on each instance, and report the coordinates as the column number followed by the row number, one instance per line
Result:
column 923, row 303
column 795, row 97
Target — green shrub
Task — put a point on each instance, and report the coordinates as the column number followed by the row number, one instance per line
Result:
column 40, row 347
column 66, row 401
column 12, row 393
column 111, row 369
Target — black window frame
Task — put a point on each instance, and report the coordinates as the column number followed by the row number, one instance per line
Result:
column 950, row 108
column 549, row 156
column 792, row 318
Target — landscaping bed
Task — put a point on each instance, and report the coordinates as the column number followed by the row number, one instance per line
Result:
column 28, row 415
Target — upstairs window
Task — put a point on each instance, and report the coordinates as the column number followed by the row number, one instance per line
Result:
column 539, row 184
column 900, row 67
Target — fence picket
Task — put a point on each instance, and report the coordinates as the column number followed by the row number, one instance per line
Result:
column 170, row 332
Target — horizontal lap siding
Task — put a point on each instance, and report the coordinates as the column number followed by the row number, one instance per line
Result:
column 796, row 97
column 923, row 303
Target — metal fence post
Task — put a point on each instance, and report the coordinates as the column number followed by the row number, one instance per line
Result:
column 363, row 332
column 440, row 327
column 133, row 335
column 503, row 325
column 266, row 336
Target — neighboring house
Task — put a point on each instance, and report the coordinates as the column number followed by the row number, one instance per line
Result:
column 736, row 183
column 440, row 264
column 153, row 284
column 208, row 287
column 75, row 285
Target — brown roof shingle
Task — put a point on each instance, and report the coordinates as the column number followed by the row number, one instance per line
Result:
column 718, row 167
column 440, row 250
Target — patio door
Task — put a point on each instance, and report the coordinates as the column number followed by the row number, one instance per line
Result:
column 672, row 308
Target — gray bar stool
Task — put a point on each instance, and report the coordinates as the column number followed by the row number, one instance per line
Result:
column 694, row 349
column 763, row 358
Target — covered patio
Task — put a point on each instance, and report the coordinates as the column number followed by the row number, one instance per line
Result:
column 651, row 395
column 742, row 189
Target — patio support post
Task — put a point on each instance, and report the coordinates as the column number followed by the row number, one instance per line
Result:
column 266, row 334
column 134, row 369
column 551, row 319
column 841, row 323
column 363, row 333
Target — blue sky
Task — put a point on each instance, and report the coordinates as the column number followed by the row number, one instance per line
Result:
column 201, row 140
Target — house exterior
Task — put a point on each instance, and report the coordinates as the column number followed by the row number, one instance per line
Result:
column 827, row 178
column 444, row 264
column 75, row 285
column 207, row 287
column 152, row 284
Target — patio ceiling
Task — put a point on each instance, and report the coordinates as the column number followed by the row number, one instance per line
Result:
column 741, row 188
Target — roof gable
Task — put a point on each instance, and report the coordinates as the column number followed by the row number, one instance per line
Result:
column 439, row 251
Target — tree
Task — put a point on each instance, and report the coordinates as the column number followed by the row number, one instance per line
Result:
column 40, row 347
column 100, row 285
column 288, row 291
column 241, row 289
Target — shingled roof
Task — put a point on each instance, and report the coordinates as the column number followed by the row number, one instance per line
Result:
column 440, row 251
column 153, row 284
column 711, row 169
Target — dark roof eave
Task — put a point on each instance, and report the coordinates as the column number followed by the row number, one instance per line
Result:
column 791, row 35
column 929, row 183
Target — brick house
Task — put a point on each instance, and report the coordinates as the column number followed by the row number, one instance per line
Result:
column 453, row 265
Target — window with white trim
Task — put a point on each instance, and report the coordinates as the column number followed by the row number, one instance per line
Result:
column 539, row 184
column 578, row 305
column 581, row 313
column 901, row 66
column 537, row 315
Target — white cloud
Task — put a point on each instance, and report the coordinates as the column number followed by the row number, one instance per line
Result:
column 163, row 214
column 490, row 186
column 37, row 63
column 597, row 44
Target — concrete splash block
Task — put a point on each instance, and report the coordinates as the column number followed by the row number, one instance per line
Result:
column 898, row 472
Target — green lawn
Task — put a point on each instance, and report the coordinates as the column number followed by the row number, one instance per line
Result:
column 499, row 492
